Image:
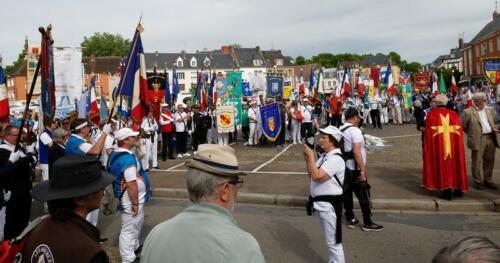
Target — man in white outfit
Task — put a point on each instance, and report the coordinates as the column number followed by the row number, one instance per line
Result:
column 150, row 128
column 252, row 118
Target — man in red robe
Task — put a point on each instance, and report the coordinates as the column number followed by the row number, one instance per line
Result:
column 443, row 153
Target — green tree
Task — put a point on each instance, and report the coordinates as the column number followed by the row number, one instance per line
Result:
column 16, row 64
column 412, row 67
column 395, row 57
column 326, row 60
column 105, row 44
column 300, row 60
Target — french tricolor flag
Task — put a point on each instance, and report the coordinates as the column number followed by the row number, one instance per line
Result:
column 92, row 109
column 4, row 99
column 134, row 82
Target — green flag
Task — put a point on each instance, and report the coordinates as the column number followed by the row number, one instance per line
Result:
column 234, row 84
column 442, row 87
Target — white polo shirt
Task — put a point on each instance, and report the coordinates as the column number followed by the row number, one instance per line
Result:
column 333, row 165
column 353, row 135
column 307, row 113
column 180, row 126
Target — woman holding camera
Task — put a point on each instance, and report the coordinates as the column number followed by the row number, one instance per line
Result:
column 327, row 177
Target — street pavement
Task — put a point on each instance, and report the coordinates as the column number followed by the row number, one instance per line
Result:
column 395, row 173
column 287, row 234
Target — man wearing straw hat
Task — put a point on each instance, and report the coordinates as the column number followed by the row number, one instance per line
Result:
column 206, row 230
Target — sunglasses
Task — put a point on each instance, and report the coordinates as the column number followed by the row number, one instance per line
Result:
column 238, row 183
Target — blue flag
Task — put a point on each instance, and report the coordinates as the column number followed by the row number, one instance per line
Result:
column 271, row 121
column 311, row 79
column 175, row 84
column 103, row 111
column 168, row 95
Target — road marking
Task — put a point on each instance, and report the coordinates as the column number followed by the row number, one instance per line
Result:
column 400, row 136
column 272, row 159
column 171, row 168
column 249, row 172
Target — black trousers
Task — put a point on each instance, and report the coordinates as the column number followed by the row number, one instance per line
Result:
column 306, row 130
column 351, row 184
column 167, row 140
column 281, row 137
column 375, row 116
column 246, row 131
column 17, row 214
column 199, row 137
column 181, row 142
column 336, row 120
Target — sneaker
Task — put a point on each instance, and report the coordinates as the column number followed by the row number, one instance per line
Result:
column 194, row 153
column 179, row 155
column 186, row 154
column 372, row 227
column 353, row 223
column 157, row 167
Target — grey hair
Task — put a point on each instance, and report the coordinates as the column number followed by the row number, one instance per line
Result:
column 59, row 133
column 441, row 100
column 469, row 250
column 202, row 186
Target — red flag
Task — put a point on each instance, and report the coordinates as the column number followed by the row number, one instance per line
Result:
column 375, row 75
column 302, row 89
column 94, row 114
column 443, row 151
column 453, row 85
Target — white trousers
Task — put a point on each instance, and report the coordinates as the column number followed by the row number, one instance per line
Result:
column 296, row 132
column 2, row 222
column 92, row 217
column 366, row 117
column 253, row 136
column 328, row 222
column 396, row 115
column 223, row 138
column 212, row 136
column 129, row 234
column 406, row 115
column 384, row 116
column 45, row 171
column 151, row 153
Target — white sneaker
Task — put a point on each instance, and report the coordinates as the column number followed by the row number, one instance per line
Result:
column 194, row 153
column 187, row 154
column 179, row 155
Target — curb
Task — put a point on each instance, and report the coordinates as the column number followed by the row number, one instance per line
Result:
column 428, row 205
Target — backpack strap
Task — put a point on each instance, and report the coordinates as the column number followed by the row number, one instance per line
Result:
column 334, row 175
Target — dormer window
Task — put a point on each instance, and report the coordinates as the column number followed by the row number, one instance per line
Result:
column 180, row 63
column 257, row 62
column 279, row 62
column 193, row 62
column 206, row 62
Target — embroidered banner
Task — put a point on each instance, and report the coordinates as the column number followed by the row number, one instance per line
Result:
column 271, row 122
column 225, row 119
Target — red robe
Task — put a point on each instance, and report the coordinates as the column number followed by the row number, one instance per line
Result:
column 443, row 151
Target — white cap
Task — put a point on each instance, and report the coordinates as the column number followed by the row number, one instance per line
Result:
column 478, row 96
column 124, row 133
column 305, row 99
column 164, row 105
column 333, row 131
column 253, row 102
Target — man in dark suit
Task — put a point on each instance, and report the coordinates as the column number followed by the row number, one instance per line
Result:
column 56, row 151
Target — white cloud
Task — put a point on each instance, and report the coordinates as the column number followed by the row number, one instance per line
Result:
column 418, row 30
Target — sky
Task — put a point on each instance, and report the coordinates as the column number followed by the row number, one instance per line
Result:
column 417, row 30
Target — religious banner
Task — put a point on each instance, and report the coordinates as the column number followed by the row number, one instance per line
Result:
column 156, row 91
column 287, row 89
column 234, row 84
column 236, row 103
column 68, row 75
column 406, row 91
column 32, row 59
column 274, row 86
column 246, row 89
column 221, row 88
column 257, row 82
column 225, row 119
column 491, row 67
column 271, row 122
column 421, row 81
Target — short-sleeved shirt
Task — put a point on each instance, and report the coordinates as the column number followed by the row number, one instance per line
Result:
column 127, row 169
column 307, row 113
column 333, row 165
column 180, row 126
column 353, row 135
column 77, row 145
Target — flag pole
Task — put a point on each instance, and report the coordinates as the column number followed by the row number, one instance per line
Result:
column 139, row 29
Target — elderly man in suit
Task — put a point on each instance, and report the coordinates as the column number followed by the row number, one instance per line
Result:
column 478, row 123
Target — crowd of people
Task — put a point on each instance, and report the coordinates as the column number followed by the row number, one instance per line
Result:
column 78, row 159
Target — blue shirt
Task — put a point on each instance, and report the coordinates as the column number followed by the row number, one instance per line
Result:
column 73, row 145
column 118, row 162
column 44, row 149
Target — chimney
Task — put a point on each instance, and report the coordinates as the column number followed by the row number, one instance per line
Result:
column 495, row 14
column 226, row 49
column 460, row 43
column 183, row 54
